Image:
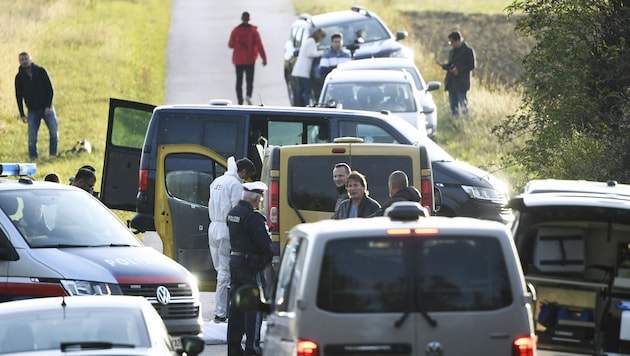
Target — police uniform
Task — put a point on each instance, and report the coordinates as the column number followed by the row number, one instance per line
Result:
column 251, row 252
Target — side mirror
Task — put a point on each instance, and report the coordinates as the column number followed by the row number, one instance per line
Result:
column 250, row 298
column 433, row 86
column 437, row 197
column 401, row 35
column 192, row 345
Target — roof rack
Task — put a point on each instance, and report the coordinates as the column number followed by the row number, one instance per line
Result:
column 17, row 169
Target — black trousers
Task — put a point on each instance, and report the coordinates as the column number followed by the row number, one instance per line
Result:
column 241, row 322
column 248, row 69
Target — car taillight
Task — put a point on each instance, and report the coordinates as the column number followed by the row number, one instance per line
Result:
column 143, row 180
column 307, row 348
column 273, row 217
column 523, row 346
column 427, row 195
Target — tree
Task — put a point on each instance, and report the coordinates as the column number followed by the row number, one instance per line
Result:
column 575, row 112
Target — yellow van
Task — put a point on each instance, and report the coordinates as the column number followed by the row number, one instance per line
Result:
column 300, row 182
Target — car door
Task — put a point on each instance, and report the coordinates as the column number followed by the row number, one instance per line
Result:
column 182, row 190
column 126, row 129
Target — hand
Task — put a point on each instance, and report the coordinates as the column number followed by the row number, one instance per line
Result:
column 264, row 63
column 24, row 119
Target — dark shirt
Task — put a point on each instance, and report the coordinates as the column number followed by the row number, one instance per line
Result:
column 249, row 233
column 36, row 89
column 406, row 194
column 462, row 58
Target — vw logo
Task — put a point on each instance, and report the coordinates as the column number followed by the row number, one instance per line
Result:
column 433, row 348
column 163, row 295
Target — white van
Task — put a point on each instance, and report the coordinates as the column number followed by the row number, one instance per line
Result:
column 403, row 284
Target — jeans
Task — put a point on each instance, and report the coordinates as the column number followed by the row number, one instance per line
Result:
column 302, row 94
column 248, row 69
column 243, row 322
column 457, row 100
column 34, row 119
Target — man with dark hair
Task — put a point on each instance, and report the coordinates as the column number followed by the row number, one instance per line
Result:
column 247, row 45
column 359, row 204
column 33, row 87
column 251, row 254
column 85, row 179
column 461, row 62
column 225, row 192
column 335, row 55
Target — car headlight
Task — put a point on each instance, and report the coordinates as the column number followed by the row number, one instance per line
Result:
column 402, row 52
column 85, row 287
column 484, row 194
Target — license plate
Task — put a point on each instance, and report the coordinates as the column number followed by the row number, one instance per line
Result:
column 177, row 342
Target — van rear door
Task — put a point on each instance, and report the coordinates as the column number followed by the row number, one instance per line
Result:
column 126, row 128
column 182, row 190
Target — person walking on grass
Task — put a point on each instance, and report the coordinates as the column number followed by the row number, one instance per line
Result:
column 33, row 87
column 247, row 45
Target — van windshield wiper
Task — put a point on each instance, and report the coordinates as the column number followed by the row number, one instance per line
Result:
column 61, row 245
column 93, row 345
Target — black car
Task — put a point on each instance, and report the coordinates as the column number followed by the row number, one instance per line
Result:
column 365, row 36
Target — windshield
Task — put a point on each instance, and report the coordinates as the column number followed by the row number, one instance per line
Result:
column 74, row 329
column 54, row 218
column 364, row 31
column 373, row 96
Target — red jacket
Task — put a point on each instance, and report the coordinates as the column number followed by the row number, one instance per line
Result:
column 245, row 40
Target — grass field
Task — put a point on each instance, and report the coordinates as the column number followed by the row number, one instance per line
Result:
column 94, row 50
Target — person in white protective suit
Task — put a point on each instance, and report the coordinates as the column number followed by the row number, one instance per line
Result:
column 225, row 192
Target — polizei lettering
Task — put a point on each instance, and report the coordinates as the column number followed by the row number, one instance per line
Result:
column 234, row 219
column 126, row 261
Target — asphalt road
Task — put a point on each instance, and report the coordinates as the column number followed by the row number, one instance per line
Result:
column 199, row 68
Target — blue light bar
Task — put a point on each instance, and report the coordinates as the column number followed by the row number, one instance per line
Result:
column 17, row 169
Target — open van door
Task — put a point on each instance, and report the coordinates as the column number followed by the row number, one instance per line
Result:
column 126, row 127
column 182, row 190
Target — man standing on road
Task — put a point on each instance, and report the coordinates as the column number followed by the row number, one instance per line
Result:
column 340, row 177
column 251, row 254
column 247, row 45
column 33, row 87
column 225, row 192
column 461, row 62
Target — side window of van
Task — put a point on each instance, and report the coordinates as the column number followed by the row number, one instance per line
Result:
column 188, row 177
column 368, row 132
column 289, row 130
column 289, row 275
column 130, row 127
column 221, row 134
column 310, row 178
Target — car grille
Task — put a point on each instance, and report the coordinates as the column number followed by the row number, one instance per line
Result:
column 182, row 303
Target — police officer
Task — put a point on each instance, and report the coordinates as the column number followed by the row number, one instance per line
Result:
column 251, row 253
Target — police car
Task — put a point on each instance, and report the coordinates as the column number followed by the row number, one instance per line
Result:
column 402, row 284
column 58, row 240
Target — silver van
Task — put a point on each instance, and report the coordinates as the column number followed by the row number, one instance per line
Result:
column 403, row 284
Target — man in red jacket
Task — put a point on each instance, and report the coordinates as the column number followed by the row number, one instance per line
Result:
column 247, row 45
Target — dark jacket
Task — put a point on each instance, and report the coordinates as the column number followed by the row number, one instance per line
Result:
column 406, row 194
column 249, row 233
column 367, row 207
column 461, row 62
column 36, row 90
column 247, row 45
column 342, row 194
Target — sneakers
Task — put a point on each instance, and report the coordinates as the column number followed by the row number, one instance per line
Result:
column 249, row 100
column 219, row 319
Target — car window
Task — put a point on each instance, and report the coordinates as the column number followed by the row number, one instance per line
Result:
column 189, row 175
column 310, row 178
column 372, row 96
column 223, row 134
column 280, row 130
column 289, row 275
column 130, row 127
column 379, row 274
column 368, row 132
column 368, row 29
column 54, row 217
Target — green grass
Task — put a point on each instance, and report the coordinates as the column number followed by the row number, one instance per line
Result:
column 93, row 50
